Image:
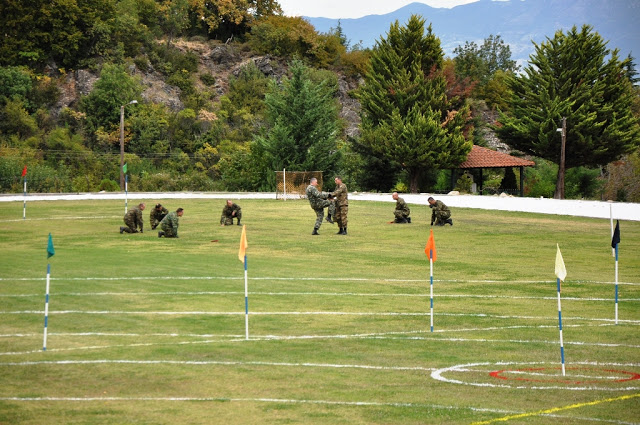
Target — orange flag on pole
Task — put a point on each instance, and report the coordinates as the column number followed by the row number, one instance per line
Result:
column 243, row 244
column 430, row 249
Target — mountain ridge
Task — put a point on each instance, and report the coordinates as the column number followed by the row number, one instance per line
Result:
column 518, row 22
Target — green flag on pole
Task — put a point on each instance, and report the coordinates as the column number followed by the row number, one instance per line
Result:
column 50, row 251
column 124, row 168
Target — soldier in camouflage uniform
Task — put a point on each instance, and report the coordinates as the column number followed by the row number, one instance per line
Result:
column 342, row 205
column 133, row 220
column 402, row 210
column 156, row 215
column 229, row 212
column 440, row 214
column 169, row 224
column 318, row 201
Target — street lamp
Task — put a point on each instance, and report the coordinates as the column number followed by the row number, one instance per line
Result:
column 122, row 142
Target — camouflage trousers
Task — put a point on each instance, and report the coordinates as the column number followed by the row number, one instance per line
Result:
column 399, row 215
column 442, row 217
column 155, row 221
column 228, row 219
column 340, row 215
column 132, row 225
column 169, row 233
column 320, row 212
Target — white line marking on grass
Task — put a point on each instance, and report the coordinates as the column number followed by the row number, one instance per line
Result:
column 137, row 335
column 262, row 400
column 330, row 294
column 310, row 337
column 438, row 376
column 93, row 217
column 332, row 279
column 216, row 363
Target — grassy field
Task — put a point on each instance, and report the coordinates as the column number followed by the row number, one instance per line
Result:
column 145, row 330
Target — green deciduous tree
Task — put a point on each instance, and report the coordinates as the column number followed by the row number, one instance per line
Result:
column 407, row 116
column 114, row 88
column 572, row 75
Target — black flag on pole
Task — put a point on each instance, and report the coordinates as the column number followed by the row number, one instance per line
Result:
column 615, row 240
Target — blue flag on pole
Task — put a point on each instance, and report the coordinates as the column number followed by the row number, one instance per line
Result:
column 50, row 251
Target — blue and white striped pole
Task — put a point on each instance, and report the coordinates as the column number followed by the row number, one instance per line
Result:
column 431, row 285
column 246, row 300
column 24, row 204
column 560, row 327
column 126, row 192
column 46, row 309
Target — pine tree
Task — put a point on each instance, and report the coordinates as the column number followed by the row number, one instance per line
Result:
column 304, row 124
column 407, row 118
column 570, row 77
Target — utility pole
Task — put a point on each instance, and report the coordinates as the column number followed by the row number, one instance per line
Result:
column 122, row 143
column 561, row 169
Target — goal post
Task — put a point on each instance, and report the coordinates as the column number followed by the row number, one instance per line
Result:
column 293, row 184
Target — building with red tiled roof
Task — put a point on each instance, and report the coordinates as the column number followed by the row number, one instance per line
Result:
column 480, row 158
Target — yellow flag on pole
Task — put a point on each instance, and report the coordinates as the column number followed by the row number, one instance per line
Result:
column 243, row 244
column 561, row 270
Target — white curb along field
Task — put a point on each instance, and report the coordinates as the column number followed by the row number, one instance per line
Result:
column 578, row 208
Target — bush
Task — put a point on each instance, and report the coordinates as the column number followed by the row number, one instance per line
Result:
column 208, row 79
column 109, row 186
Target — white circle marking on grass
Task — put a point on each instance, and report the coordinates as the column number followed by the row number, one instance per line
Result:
column 438, row 375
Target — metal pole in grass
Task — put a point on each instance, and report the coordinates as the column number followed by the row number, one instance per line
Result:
column 561, row 274
column 430, row 250
column 615, row 241
column 50, row 253
column 24, row 192
column 126, row 187
column 242, row 256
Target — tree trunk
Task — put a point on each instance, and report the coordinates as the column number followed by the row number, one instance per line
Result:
column 414, row 176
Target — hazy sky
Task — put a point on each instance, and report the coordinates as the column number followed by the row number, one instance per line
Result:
column 354, row 8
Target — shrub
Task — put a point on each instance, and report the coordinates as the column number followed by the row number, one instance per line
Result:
column 109, row 186
column 208, row 79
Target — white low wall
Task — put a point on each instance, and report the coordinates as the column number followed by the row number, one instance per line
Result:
column 596, row 209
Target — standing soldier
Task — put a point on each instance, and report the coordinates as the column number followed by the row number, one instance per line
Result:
column 169, row 224
column 318, row 201
column 156, row 215
column 230, row 211
column 133, row 220
column 402, row 210
column 440, row 214
column 342, row 205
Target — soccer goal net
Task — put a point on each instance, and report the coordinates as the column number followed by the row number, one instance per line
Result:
column 293, row 184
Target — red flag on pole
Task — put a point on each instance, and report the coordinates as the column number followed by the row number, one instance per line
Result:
column 430, row 249
column 24, row 171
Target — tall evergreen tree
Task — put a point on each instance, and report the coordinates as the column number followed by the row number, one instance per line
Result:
column 569, row 76
column 304, row 124
column 407, row 118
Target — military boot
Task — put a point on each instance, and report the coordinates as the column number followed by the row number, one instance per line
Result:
column 340, row 231
column 344, row 230
column 450, row 221
column 238, row 222
column 315, row 231
column 408, row 219
column 329, row 218
column 160, row 234
column 121, row 229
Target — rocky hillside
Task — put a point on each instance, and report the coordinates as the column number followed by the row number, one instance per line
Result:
column 222, row 61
